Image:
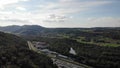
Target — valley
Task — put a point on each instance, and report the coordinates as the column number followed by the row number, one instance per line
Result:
column 94, row 47
column 60, row 60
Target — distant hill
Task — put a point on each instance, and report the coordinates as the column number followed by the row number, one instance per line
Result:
column 29, row 30
column 14, row 53
column 36, row 30
column 10, row 28
column 23, row 30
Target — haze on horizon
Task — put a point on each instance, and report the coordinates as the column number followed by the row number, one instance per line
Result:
column 60, row 13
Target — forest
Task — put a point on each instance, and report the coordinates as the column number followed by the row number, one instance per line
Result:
column 14, row 53
column 96, row 47
column 90, row 54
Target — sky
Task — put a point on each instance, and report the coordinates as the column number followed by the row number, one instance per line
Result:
column 60, row 13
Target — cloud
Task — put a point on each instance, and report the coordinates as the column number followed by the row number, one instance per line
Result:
column 14, row 21
column 66, row 8
column 104, row 22
column 4, row 3
column 56, row 18
column 73, row 6
column 21, row 8
column 36, row 12
column 89, row 22
column 5, row 20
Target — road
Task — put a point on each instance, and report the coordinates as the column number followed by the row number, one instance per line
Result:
column 59, row 61
column 64, row 64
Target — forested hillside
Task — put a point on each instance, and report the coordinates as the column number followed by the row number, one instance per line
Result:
column 89, row 54
column 14, row 53
column 88, row 33
column 96, row 47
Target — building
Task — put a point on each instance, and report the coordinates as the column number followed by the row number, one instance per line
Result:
column 40, row 45
column 72, row 51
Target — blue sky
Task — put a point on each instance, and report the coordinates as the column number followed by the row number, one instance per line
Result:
column 60, row 13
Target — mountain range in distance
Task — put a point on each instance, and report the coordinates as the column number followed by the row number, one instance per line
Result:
column 22, row 30
column 39, row 30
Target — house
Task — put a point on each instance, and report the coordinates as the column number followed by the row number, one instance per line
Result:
column 40, row 45
column 72, row 51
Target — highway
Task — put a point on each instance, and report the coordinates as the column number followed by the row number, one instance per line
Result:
column 59, row 61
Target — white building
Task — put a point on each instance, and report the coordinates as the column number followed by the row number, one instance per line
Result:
column 72, row 51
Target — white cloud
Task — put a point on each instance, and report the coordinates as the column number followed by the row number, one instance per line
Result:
column 75, row 6
column 56, row 18
column 67, row 0
column 104, row 22
column 60, row 11
column 21, row 8
column 70, row 6
column 90, row 22
column 4, row 3
column 66, row 8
